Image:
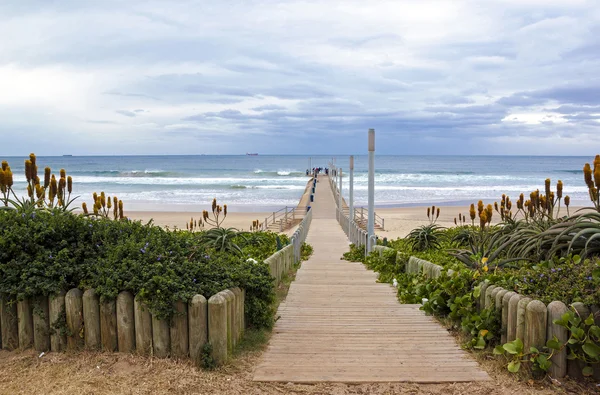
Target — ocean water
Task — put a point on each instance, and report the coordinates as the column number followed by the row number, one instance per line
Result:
column 259, row 183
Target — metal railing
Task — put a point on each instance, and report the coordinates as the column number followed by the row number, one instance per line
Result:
column 355, row 233
column 360, row 213
column 284, row 218
column 299, row 236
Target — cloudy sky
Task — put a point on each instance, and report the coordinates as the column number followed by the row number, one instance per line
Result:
column 297, row 77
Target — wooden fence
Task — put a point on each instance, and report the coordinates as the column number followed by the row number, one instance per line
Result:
column 522, row 317
column 79, row 320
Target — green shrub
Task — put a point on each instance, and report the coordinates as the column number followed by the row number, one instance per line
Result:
column 44, row 252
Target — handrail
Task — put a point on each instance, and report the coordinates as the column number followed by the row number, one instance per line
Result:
column 299, row 236
column 336, row 194
column 357, row 236
column 285, row 216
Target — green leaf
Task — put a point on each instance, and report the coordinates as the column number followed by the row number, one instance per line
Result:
column 534, row 350
column 480, row 345
column 591, row 349
column 590, row 320
column 510, row 348
column 588, row 371
column 514, row 366
column 498, row 350
column 553, row 344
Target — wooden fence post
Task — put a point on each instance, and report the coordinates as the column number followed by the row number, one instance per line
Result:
column 488, row 296
column 505, row 311
column 198, row 326
column 179, row 331
column 57, row 313
column 230, row 297
column 25, row 323
column 237, row 319
column 521, row 308
column 499, row 296
column 74, row 311
column 511, row 322
column 9, row 325
column 483, row 289
column 161, row 337
column 559, row 359
column 125, row 322
column 91, row 320
column 217, row 327
column 143, row 327
column 108, row 326
column 41, row 324
column 536, row 314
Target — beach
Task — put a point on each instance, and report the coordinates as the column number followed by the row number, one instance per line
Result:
column 173, row 219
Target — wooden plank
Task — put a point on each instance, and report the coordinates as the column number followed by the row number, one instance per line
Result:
column 338, row 324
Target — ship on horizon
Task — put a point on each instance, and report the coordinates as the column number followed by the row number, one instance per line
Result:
column 251, row 154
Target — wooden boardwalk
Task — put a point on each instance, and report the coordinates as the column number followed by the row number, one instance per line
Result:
column 338, row 325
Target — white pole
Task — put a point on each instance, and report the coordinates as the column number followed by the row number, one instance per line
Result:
column 340, row 197
column 371, row 221
column 351, row 191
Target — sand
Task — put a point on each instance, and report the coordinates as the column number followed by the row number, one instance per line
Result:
column 238, row 220
column 399, row 221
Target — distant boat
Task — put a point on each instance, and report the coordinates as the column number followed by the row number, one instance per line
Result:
column 67, row 155
column 255, row 154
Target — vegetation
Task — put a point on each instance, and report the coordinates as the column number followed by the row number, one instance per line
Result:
column 537, row 251
column 46, row 247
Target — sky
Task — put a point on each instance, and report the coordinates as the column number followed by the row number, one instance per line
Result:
column 440, row 77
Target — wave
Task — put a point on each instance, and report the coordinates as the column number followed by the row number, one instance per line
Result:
column 127, row 173
column 570, row 171
column 284, row 173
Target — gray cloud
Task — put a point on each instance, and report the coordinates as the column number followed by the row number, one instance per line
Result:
column 294, row 70
column 127, row 113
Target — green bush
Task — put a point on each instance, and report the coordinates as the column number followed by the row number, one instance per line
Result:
column 44, row 252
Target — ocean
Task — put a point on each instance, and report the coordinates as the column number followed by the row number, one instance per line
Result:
column 268, row 182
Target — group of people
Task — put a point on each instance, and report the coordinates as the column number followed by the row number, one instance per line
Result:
column 316, row 170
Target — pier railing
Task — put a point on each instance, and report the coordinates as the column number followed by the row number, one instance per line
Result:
column 361, row 214
column 299, row 236
column 355, row 232
column 284, row 218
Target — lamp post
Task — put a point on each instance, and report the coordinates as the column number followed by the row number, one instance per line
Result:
column 371, row 186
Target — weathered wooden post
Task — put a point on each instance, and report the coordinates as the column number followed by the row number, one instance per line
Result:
column 217, row 327
column 179, row 331
column 521, row 309
column 371, row 190
column 230, row 297
column 74, row 311
column 198, row 326
column 511, row 322
column 143, row 327
column 536, row 314
column 9, row 325
column 57, row 310
column 559, row 359
column 125, row 322
column 488, row 296
column 482, row 289
column 237, row 316
column 41, row 324
column 25, row 320
column 161, row 337
column 505, row 312
column 91, row 320
column 108, row 325
column 499, row 297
